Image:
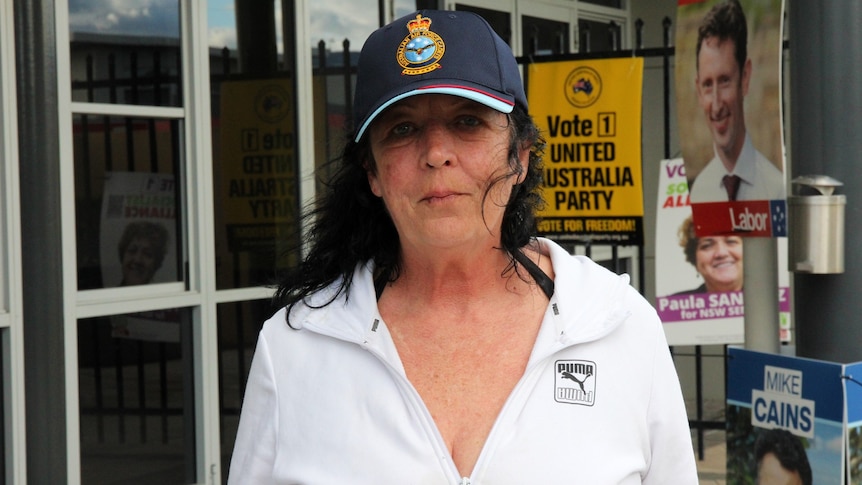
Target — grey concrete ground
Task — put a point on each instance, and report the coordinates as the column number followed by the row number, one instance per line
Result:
column 711, row 470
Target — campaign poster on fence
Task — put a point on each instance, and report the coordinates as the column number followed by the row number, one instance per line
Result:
column 853, row 391
column 590, row 115
column 699, row 280
column 137, row 239
column 729, row 111
column 785, row 419
column 258, row 173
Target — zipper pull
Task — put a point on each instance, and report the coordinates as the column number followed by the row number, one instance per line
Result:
column 465, row 481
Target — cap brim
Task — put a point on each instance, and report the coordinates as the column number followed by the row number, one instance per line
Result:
column 484, row 97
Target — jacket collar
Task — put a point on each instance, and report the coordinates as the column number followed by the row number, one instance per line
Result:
column 588, row 303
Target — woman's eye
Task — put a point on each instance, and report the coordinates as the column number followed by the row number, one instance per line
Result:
column 469, row 121
column 402, row 129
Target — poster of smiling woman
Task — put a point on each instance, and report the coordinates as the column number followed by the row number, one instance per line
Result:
column 699, row 279
column 138, row 241
column 728, row 89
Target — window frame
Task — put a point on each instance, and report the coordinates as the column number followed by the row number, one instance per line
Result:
column 598, row 13
column 11, row 286
column 195, row 182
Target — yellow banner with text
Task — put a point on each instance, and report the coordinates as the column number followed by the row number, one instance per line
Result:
column 590, row 115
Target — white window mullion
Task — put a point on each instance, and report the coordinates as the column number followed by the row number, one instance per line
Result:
column 132, row 111
column 11, row 318
column 305, row 105
column 201, row 241
column 69, row 243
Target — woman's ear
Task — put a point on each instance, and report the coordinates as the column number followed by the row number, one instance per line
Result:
column 373, row 182
column 375, row 187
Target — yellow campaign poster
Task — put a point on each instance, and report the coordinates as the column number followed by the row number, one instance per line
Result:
column 258, row 173
column 590, row 114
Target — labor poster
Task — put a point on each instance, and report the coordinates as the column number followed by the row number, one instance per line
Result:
column 258, row 166
column 590, row 115
column 785, row 419
column 138, row 230
column 699, row 280
column 693, row 315
column 729, row 110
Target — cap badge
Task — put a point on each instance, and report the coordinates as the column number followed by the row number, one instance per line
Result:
column 421, row 51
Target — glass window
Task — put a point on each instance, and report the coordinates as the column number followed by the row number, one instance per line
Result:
column 333, row 21
column 136, row 392
column 4, row 412
column 606, row 3
column 544, row 36
column 339, row 30
column 238, row 326
column 127, row 196
column 126, row 52
column 500, row 21
column 596, row 36
column 255, row 164
column 4, row 233
column 403, row 7
column 5, row 228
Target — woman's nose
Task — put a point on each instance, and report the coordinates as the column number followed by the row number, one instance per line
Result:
column 721, row 249
column 437, row 144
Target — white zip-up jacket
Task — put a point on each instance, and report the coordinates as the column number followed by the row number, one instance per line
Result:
column 599, row 401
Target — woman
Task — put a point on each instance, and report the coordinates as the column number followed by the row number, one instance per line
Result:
column 717, row 259
column 142, row 249
column 427, row 337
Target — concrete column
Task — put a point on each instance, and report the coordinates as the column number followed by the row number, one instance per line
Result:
column 826, row 139
column 41, row 258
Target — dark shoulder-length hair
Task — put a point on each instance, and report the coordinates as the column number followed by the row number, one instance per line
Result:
column 349, row 225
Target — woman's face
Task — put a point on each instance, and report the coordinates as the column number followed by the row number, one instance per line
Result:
column 139, row 262
column 435, row 157
column 719, row 262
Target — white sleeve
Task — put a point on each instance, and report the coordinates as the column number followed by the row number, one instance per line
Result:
column 672, row 458
column 255, row 447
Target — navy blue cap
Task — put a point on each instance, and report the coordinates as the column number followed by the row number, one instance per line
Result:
column 435, row 52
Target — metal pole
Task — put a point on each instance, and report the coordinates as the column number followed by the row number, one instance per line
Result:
column 760, row 294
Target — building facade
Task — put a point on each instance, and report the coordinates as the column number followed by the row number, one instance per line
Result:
column 154, row 157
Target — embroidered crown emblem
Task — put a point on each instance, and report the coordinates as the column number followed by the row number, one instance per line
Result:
column 418, row 25
column 420, row 52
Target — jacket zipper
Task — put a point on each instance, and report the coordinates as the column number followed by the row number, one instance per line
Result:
column 416, row 402
column 529, row 375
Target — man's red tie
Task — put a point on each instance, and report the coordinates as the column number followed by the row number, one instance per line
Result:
column 731, row 184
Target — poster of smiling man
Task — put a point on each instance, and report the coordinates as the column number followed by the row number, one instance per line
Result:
column 728, row 88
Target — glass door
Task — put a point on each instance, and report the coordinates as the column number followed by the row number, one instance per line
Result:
column 134, row 185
